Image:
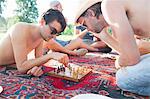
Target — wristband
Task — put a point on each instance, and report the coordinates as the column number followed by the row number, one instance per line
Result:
column 108, row 30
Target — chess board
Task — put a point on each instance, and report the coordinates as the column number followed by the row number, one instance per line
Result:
column 72, row 72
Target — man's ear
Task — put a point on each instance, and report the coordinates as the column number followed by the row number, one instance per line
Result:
column 42, row 21
column 90, row 13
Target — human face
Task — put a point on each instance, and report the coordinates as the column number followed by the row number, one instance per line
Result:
column 51, row 30
column 93, row 23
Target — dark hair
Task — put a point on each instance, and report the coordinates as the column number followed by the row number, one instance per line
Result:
column 96, row 8
column 52, row 15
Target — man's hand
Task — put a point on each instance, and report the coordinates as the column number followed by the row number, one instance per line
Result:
column 62, row 58
column 36, row 71
column 100, row 34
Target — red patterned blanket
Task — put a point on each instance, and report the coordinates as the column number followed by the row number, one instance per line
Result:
column 101, row 81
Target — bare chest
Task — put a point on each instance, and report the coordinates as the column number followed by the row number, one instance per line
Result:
column 32, row 44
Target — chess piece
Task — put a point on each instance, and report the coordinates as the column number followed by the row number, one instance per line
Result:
column 1, row 89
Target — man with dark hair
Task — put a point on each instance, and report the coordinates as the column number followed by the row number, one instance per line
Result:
column 22, row 38
column 124, row 18
column 74, row 47
column 89, row 39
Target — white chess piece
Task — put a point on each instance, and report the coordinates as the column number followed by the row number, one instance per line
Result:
column 1, row 89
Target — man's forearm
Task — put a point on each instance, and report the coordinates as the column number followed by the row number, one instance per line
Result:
column 82, row 34
column 108, row 39
column 28, row 64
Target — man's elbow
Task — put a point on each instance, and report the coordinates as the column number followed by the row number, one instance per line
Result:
column 21, row 68
column 134, row 60
column 129, row 60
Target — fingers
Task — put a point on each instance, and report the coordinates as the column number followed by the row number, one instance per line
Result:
column 62, row 58
column 65, row 60
column 36, row 71
column 29, row 72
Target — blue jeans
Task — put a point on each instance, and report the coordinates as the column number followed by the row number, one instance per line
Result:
column 62, row 43
column 88, row 41
column 136, row 78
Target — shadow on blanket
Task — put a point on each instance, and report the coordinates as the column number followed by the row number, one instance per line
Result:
column 101, row 81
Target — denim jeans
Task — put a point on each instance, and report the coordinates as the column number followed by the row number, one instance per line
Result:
column 135, row 78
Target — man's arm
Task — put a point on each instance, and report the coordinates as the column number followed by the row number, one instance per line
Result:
column 144, row 46
column 80, row 31
column 20, row 54
column 108, row 39
column 115, row 14
column 53, row 45
column 81, row 34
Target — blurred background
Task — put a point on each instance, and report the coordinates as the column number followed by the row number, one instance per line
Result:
column 13, row 11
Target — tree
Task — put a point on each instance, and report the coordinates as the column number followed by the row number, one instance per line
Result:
column 2, row 22
column 27, row 10
column 1, row 6
column 11, row 21
column 69, row 30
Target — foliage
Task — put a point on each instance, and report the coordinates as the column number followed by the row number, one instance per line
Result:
column 7, row 23
column 1, row 6
column 27, row 10
column 69, row 30
column 2, row 22
column 11, row 21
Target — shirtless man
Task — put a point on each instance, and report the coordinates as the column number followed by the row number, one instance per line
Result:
column 22, row 38
column 74, row 47
column 126, row 19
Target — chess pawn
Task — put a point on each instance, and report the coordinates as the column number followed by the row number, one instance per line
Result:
column 58, row 70
column 64, row 69
column 70, row 68
column 82, row 70
column 73, row 73
column 54, row 70
column 79, row 69
column 76, row 73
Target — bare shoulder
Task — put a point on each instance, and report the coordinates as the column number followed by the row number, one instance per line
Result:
column 112, row 3
column 21, row 25
column 18, row 27
column 112, row 9
column 18, row 32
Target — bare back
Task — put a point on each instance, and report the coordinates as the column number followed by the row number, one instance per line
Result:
column 138, row 12
column 20, row 39
column 127, row 19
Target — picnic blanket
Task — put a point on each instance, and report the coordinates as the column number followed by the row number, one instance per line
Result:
column 101, row 81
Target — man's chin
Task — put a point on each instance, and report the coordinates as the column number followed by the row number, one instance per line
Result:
column 98, row 31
